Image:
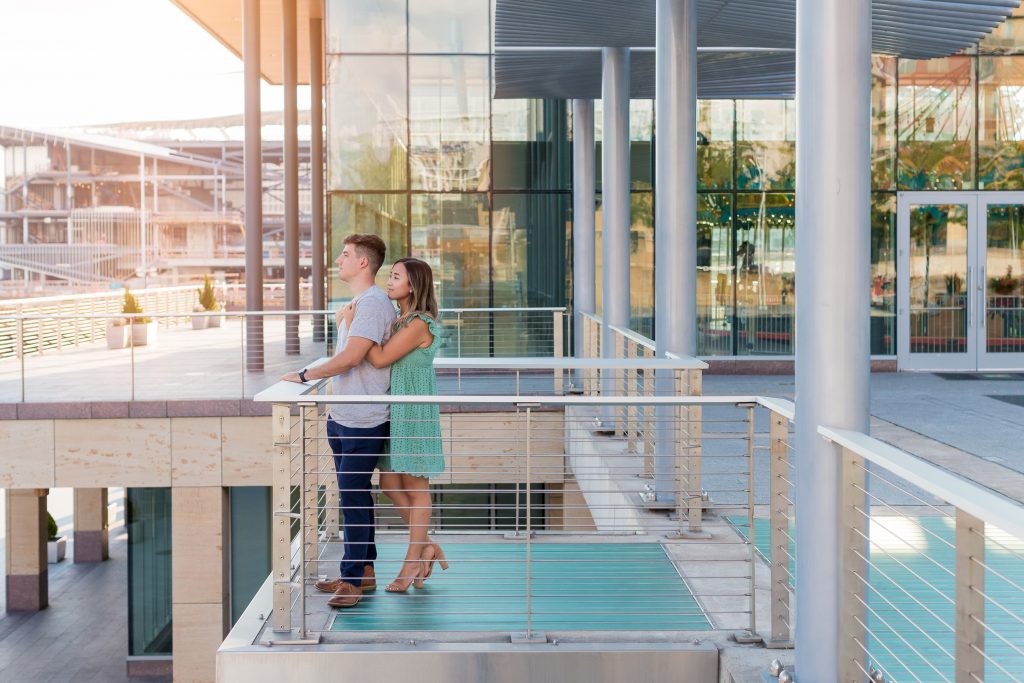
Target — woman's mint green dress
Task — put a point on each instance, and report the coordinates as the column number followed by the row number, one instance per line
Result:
column 416, row 428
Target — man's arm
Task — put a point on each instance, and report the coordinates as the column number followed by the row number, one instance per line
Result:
column 346, row 359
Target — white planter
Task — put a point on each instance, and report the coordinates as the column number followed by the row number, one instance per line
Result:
column 214, row 320
column 200, row 322
column 143, row 333
column 55, row 549
column 117, row 336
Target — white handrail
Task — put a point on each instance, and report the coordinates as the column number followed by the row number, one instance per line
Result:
column 970, row 497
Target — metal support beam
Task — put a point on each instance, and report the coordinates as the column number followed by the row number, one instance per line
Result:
column 253, row 171
column 615, row 203
column 833, row 76
column 675, row 226
column 584, row 250
column 316, row 172
column 289, row 54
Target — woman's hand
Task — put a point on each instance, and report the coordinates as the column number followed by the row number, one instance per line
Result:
column 345, row 315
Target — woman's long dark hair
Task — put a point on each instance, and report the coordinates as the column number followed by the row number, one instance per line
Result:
column 421, row 284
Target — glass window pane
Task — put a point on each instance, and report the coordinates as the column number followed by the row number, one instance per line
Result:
column 449, row 26
column 714, row 143
column 384, row 215
column 451, row 233
column 765, row 276
column 936, row 124
column 641, row 149
column 765, row 144
column 883, row 274
column 531, row 147
column 250, row 544
column 148, row 518
column 938, row 272
column 531, row 249
column 366, row 98
column 883, row 122
column 1006, row 39
column 1001, row 123
column 450, row 123
column 1004, row 287
column 365, row 26
column 715, row 275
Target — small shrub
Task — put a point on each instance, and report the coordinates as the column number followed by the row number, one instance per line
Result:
column 1004, row 284
column 207, row 299
column 52, row 529
column 131, row 305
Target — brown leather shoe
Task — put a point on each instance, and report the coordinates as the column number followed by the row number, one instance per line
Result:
column 331, row 585
column 347, row 595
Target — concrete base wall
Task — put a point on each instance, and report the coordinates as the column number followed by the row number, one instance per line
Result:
column 561, row 663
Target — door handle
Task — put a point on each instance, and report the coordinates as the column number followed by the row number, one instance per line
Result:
column 967, row 299
column 981, row 297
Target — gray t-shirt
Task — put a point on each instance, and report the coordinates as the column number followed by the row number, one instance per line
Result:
column 375, row 314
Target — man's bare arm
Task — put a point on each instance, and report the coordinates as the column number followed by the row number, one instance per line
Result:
column 346, row 359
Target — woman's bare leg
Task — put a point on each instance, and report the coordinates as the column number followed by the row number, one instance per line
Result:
column 417, row 489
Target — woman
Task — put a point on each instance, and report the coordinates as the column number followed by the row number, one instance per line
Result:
column 415, row 428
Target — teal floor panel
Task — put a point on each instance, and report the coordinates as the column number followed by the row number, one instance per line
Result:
column 910, row 594
column 590, row 586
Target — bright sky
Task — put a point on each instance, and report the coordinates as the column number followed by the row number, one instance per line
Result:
column 77, row 62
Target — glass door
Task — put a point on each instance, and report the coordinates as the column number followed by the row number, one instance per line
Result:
column 999, row 288
column 937, row 245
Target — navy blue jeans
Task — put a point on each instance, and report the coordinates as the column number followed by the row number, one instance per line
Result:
column 355, row 456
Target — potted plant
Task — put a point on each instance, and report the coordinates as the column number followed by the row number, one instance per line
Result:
column 143, row 329
column 117, row 333
column 208, row 303
column 1003, row 285
column 56, row 545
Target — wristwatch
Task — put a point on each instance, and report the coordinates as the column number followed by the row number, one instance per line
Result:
column 302, row 375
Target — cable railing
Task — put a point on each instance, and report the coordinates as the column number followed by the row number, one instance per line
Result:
column 89, row 351
column 932, row 570
column 542, row 513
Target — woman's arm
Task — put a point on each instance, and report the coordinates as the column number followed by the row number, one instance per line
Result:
column 407, row 339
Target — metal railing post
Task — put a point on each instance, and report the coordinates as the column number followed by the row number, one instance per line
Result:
column 649, row 439
column 310, row 494
column 619, row 376
column 529, row 529
column 852, row 533
column 281, row 501
column 631, row 390
column 556, row 322
column 970, row 598
column 778, row 510
column 751, row 536
column 693, row 449
column 21, row 352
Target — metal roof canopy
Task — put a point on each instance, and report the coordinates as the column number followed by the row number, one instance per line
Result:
column 551, row 48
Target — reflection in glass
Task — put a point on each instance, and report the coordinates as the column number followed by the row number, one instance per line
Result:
column 367, row 126
column 1001, row 123
column 936, row 124
column 765, row 144
column 365, row 26
column 641, row 263
column 765, row 277
column 714, row 143
column 938, row 277
column 383, row 215
column 883, row 122
column 251, row 513
column 450, row 232
column 1004, row 286
column 449, row 123
column 531, row 148
column 715, row 274
column 1006, row 39
column 148, row 518
column 883, row 274
column 641, row 146
column 449, row 26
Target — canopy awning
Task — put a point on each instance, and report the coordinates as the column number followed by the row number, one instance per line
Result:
column 551, row 48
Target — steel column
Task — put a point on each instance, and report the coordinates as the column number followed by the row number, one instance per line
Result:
column 615, row 203
column 675, row 259
column 833, row 84
column 253, row 171
column 584, row 255
column 316, row 173
column 291, row 173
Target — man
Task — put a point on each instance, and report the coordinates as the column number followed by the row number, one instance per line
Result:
column 357, row 433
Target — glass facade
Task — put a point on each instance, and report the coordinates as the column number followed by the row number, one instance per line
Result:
column 250, row 544
column 481, row 188
column 148, row 519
